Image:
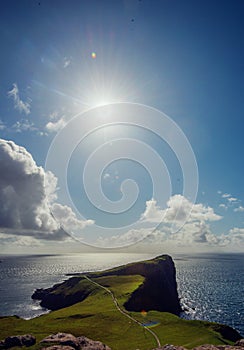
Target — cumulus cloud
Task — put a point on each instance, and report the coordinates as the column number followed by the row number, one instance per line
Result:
column 26, row 194
column 20, row 105
column 179, row 209
column 195, row 233
column 23, row 202
column 236, row 235
column 181, row 224
column 153, row 213
column 239, row 209
column 54, row 126
column 68, row 219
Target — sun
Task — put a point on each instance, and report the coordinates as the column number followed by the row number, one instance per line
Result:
column 102, row 98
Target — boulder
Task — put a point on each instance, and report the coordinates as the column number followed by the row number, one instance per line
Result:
column 58, row 347
column 170, row 347
column 18, row 340
column 12, row 341
column 217, row 347
column 237, row 346
column 62, row 339
column 28, row 340
column 66, row 341
column 88, row 344
column 240, row 343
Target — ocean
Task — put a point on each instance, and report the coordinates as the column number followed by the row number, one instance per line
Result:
column 211, row 287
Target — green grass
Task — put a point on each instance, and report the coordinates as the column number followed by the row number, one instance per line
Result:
column 97, row 318
column 76, row 284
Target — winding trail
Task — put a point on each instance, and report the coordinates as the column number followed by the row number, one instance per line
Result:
column 122, row 311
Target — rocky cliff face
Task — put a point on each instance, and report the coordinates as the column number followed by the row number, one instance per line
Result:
column 158, row 292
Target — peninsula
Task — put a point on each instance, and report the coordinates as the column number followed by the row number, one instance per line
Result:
column 134, row 306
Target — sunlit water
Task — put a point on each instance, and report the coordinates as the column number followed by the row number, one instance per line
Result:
column 210, row 287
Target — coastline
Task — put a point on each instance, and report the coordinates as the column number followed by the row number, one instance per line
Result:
column 63, row 276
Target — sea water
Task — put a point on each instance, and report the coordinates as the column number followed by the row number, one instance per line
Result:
column 211, row 287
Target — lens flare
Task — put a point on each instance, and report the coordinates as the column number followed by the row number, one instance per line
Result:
column 93, row 55
column 143, row 313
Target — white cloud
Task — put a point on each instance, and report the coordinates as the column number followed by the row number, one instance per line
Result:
column 67, row 62
column 2, row 125
column 53, row 115
column 19, row 241
column 130, row 237
column 224, row 206
column 182, row 223
column 68, row 219
column 153, row 213
column 106, row 176
column 219, row 192
column 236, row 236
column 54, row 126
column 24, row 204
column 226, row 195
column 232, row 199
column 26, row 194
column 24, row 125
column 195, row 233
column 20, row 105
column 179, row 209
column 239, row 209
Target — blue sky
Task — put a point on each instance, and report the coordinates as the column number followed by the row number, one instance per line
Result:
column 184, row 58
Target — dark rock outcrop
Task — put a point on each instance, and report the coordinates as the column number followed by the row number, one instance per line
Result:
column 159, row 290
column 18, row 340
column 55, row 301
column 227, row 332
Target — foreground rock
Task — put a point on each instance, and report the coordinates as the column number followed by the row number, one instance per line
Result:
column 62, row 339
column 66, row 341
column 17, row 340
column 239, row 345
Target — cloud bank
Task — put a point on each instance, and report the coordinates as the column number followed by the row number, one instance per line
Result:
column 26, row 194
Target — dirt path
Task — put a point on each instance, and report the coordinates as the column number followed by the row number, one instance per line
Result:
column 122, row 311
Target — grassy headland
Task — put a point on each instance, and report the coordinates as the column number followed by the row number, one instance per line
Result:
column 97, row 317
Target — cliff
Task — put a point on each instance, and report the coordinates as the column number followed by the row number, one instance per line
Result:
column 157, row 292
